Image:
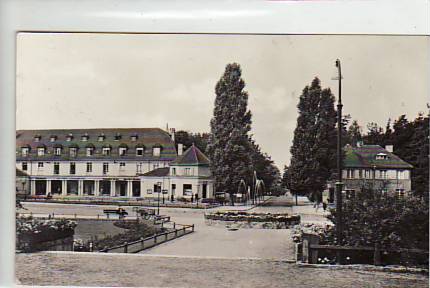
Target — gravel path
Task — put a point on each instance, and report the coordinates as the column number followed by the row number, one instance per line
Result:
column 147, row 271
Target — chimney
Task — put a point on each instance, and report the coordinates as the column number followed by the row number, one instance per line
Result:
column 172, row 134
column 389, row 148
column 180, row 149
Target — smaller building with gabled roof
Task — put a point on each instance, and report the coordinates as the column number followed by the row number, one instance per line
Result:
column 375, row 167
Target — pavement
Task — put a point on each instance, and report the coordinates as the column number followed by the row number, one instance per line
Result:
column 212, row 256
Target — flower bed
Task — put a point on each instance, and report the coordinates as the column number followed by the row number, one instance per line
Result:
column 253, row 220
column 32, row 233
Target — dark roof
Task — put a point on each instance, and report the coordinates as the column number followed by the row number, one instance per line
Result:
column 147, row 137
column 159, row 172
column 20, row 173
column 192, row 156
column 365, row 157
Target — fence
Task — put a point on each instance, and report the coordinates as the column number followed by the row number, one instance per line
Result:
column 309, row 251
column 145, row 243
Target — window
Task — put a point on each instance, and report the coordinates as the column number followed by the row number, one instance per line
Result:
column 56, row 168
column 40, row 165
column 101, row 138
column 401, row 174
column 73, row 151
column 53, row 138
column 156, row 151
column 360, row 174
column 188, row 189
column 24, row 151
column 89, row 167
column 187, row 171
column 40, row 151
column 37, row 138
column 24, row 166
column 157, row 188
column 133, row 137
column 367, row 174
column 84, row 138
column 349, row 173
column 122, row 151
column 72, row 168
column 138, row 167
column 383, row 174
column 117, row 137
column 90, row 151
column 121, row 165
column 381, row 156
column 148, row 191
column 106, row 151
column 139, row 151
column 105, row 168
column 173, row 171
column 69, row 137
column 400, row 193
column 57, row 151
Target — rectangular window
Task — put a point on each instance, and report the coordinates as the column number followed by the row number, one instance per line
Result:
column 122, row 151
column 89, row 167
column 106, row 151
column 383, row 174
column 400, row 174
column 139, row 151
column 24, row 166
column 40, row 165
column 360, row 174
column 157, row 188
column 138, row 167
column 90, row 152
column 188, row 189
column 40, row 151
column 56, row 168
column 73, row 152
column 173, row 171
column 187, row 171
column 156, row 151
column 24, row 152
column 105, row 168
column 57, row 151
column 72, row 168
column 122, row 166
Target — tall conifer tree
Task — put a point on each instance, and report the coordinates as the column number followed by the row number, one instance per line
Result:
column 229, row 146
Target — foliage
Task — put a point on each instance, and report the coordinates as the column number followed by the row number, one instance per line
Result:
column 313, row 152
column 354, row 134
column 229, row 146
column 186, row 138
column 375, row 218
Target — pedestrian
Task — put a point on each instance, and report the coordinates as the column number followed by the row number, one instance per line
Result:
column 192, row 198
column 324, row 206
column 317, row 206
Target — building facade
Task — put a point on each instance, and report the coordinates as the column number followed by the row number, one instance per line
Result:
column 120, row 163
column 374, row 167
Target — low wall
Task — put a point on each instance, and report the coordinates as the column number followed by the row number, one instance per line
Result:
column 52, row 241
column 240, row 219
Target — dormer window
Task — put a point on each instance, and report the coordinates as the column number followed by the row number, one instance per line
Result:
column 117, row 137
column 156, row 151
column 53, row 138
column 40, row 151
column 101, row 138
column 381, row 156
column 122, row 151
column 69, row 137
column 85, row 138
column 37, row 138
column 57, row 151
column 133, row 137
column 106, row 151
column 90, row 151
column 73, row 151
column 25, row 151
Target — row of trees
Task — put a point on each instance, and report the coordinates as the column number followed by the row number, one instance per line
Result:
column 313, row 153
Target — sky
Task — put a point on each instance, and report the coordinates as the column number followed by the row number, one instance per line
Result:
column 77, row 80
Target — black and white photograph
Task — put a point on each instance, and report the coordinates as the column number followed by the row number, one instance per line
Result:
column 222, row 160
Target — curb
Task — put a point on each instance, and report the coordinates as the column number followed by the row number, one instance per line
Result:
column 371, row 268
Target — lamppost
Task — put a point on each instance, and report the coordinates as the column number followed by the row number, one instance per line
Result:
column 158, row 198
column 339, row 224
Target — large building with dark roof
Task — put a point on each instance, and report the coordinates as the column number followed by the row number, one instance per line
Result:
column 132, row 162
column 371, row 166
